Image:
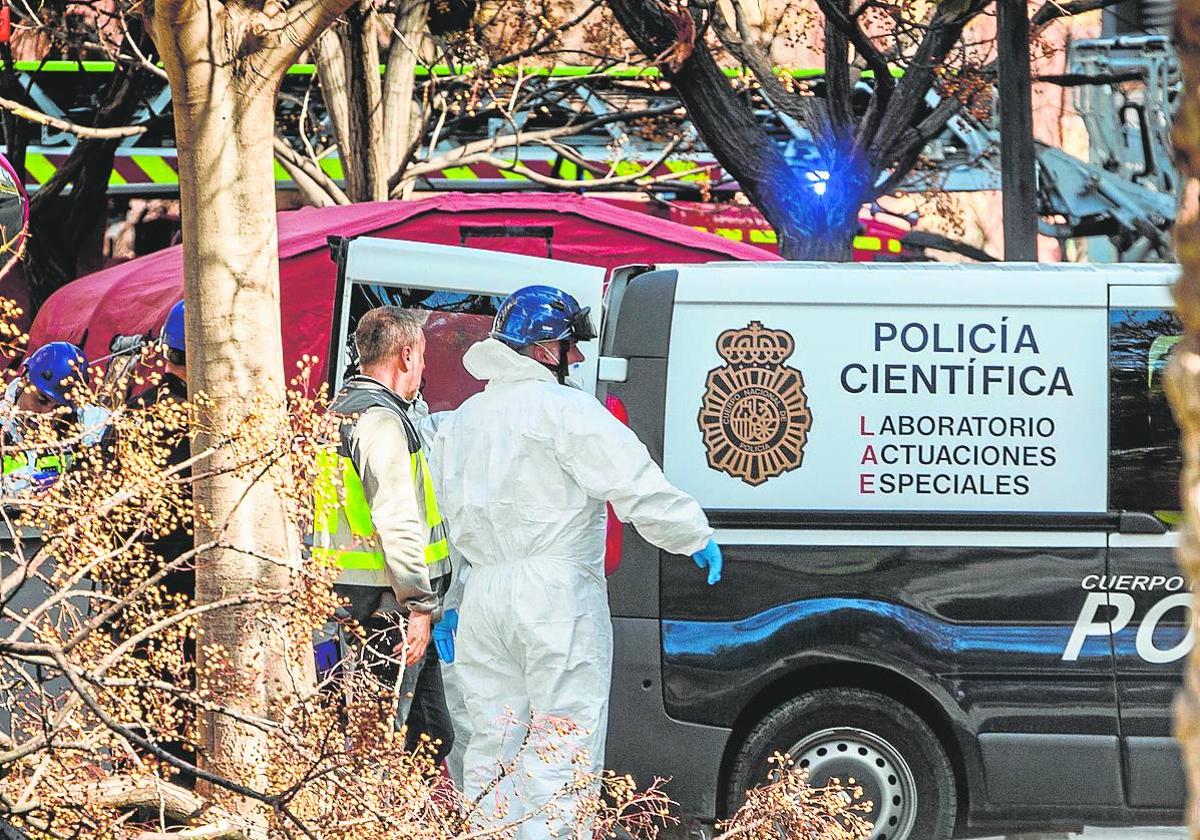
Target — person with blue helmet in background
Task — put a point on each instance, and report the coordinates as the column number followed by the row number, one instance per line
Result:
column 48, row 377
column 171, row 387
column 53, row 381
column 174, row 355
column 179, row 583
column 523, row 471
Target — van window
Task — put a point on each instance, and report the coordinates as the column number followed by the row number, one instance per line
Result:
column 453, row 322
column 1144, row 457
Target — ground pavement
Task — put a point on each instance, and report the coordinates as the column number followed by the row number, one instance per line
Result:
column 1116, row 834
column 1089, row 834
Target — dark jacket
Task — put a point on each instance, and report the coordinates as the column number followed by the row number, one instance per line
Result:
column 178, row 541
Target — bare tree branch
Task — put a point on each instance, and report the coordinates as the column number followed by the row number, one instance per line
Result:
column 1052, row 10
column 938, row 242
column 806, row 110
column 943, row 33
column 838, row 88
column 141, row 56
column 80, row 690
column 301, row 25
column 478, row 149
column 121, row 792
column 839, row 17
column 641, row 177
column 538, row 46
column 907, row 148
column 216, row 831
column 309, row 177
column 81, row 131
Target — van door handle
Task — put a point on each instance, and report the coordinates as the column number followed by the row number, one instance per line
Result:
column 1136, row 522
column 613, row 369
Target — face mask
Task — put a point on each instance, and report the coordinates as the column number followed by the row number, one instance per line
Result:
column 418, row 406
column 573, row 380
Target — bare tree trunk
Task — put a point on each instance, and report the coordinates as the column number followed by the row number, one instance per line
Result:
column 400, row 121
column 1183, row 379
column 231, row 272
column 348, row 67
column 335, row 92
column 374, row 121
column 366, row 179
column 224, row 77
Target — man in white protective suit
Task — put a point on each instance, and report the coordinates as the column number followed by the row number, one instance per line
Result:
column 523, row 472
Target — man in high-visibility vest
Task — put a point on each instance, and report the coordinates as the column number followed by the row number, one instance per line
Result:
column 377, row 519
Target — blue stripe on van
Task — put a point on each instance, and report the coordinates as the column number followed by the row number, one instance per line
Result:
column 714, row 638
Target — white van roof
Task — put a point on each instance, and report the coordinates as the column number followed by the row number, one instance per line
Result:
column 901, row 283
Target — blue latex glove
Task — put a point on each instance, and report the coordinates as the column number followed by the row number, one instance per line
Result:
column 710, row 558
column 443, row 635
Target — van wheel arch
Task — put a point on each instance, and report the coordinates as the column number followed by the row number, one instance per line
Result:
column 847, row 675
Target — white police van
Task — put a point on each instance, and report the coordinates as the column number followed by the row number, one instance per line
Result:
column 946, row 497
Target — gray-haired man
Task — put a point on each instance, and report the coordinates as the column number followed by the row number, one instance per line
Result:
column 377, row 518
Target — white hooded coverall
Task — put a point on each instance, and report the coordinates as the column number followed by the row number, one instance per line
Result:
column 427, row 424
column 523, row 471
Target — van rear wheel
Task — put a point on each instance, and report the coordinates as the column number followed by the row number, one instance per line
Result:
column 851, row 733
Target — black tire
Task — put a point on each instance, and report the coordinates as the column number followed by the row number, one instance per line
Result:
column 857, row 729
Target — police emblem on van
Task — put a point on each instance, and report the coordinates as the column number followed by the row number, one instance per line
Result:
column 755, row 416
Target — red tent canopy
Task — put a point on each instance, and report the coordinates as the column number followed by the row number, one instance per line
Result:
column 134, row 297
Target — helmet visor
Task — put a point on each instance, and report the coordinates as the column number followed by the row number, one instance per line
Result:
column 582, row 328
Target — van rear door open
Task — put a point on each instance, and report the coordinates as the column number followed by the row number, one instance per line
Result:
column 459, row 289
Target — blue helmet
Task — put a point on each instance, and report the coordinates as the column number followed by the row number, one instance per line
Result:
column 172, row 331
column 56, row 368
column 541, row 313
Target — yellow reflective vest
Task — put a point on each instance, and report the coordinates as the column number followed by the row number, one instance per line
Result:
column 24, row 461
column 343, row 530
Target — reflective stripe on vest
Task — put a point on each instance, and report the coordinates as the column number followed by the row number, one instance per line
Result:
column 438, row 548
column 344, row 534
column 15, row 463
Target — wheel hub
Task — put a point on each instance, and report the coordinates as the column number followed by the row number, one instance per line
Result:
column 873, row 764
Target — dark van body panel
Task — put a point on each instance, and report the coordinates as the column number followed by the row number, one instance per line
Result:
column 917, row 609
column 1146, row 690
column 974, row 652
